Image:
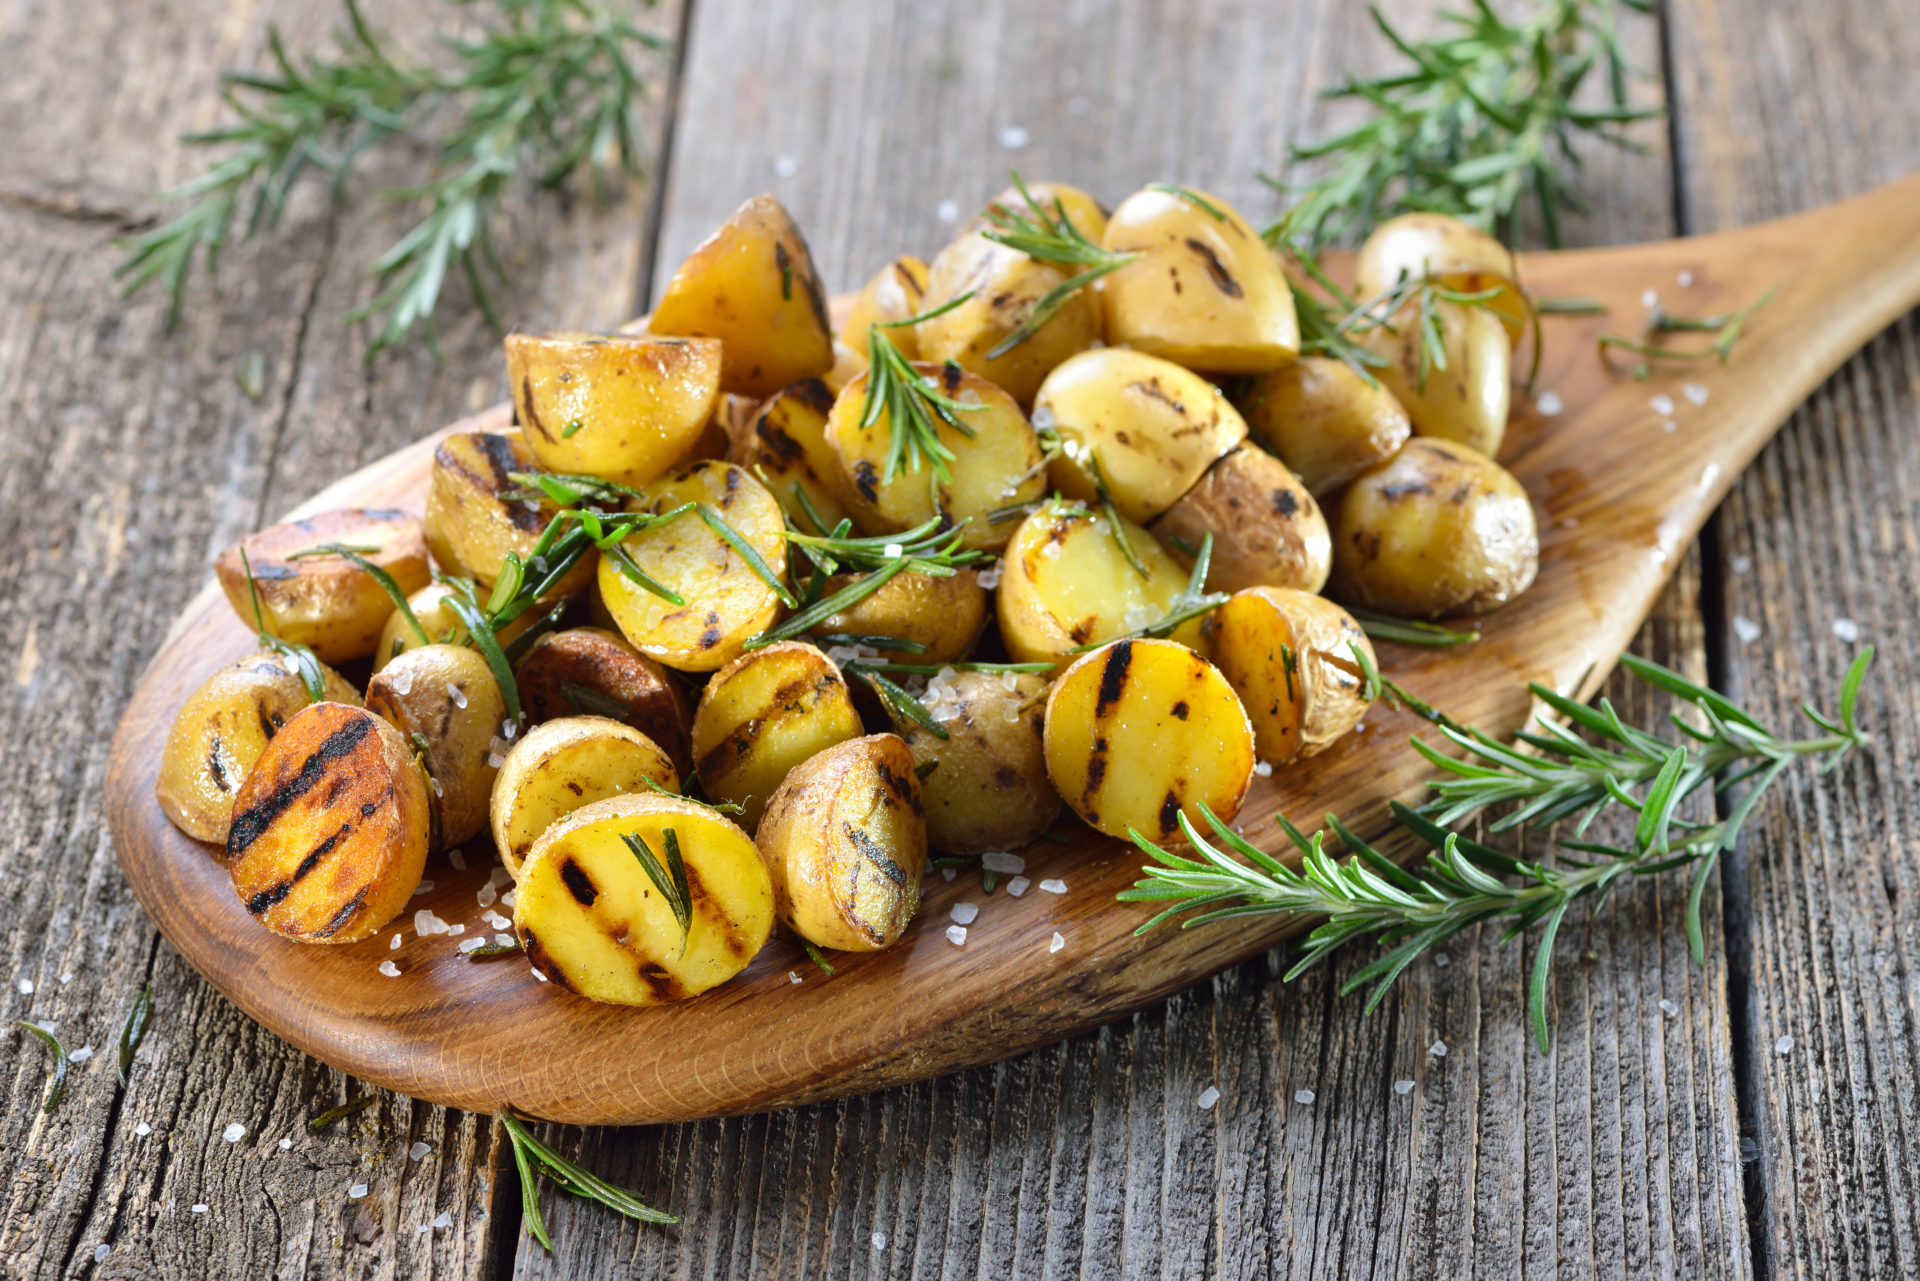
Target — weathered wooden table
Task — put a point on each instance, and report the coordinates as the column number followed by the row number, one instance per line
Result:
column 1758, row 1115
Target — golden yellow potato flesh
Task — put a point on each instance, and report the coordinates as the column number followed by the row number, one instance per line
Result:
column 785, row 447
column 1468, row 399
column 476, row 514
column 1005, row 286
column 1289, row 656
column 763, row 714
column 564, row 765
column 327, row 603
column 1324, row 421
column 897, row 291
column 1266, row 528
column 1453, row 253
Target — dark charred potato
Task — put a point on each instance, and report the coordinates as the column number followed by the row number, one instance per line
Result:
column 1267, row 530
column 589, row 671
column 327, row 603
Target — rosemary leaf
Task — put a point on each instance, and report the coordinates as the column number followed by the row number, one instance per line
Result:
column 817, row 957
column 480, row 634
column 57, row 1088
column 134, row 1030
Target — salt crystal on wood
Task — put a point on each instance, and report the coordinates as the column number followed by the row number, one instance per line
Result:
column 1403, row 1086
column 389, row 969
column 1208, row 1097
column 957, row 935
column 997, row 862
column 417, row 1151
column 1054, row 885
column 964, row 913
column 1303, row 1096
column 1018, row 886
column 1438, row 1049
column 234, row 1133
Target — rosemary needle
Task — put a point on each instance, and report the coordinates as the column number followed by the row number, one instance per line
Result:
column 134, row 1030
column 57, row 1088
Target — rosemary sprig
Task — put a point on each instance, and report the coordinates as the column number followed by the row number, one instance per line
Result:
column 912, row 401
column 1050, row 238
column 718, row 807
column 312, row 675
column 57, row 1087
column 670, row 879
column 379, row 575
column 480, row 635
column 900, row 703
column 1193, row 198
column 1192, row 602
column 134, row 1030
column 530, row 1155
column 1726, row 328
column 548, row 88
column 1409, row 631
column 1104, row 497
column 927, row 548
column 315, row 1124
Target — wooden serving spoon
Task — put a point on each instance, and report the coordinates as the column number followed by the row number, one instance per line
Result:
column 1623, row 478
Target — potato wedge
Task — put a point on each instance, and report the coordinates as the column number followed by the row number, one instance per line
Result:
column 1324, row 421
column 999, row 465
column 1287, row 654
column 763, row 714
column 727, row 602
column 1151, row 428
column 624, row 407
column 945, row 615
column 445, row 700
column 897, row 291
column 564, row 765
column 442, row 625
column 219, row 735
column 1438, row 529
column 593, row 921
column 583, row 671
column 473, row 517
column 1005, row 286
column 1456, row 254
column 1266, row 528
column 327, row 603
column 1206, row 291
column 1065, row 583
column 785, row 447
column 845, row 837
column 330, row 830
column 1139, row 732
column 751, row 284
column 987, row 786
column 1468, row 400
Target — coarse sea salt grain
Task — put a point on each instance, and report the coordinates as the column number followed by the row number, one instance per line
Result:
column 957, row 935
column 1263, row 769
column 946, row 874
column 1208, row 1097
column 537, row 974
column 792, row 977
column 395, row 945
column 435, row 784
column 443, row 1220
column 948, row 210
column 498, row 877
column 1303, row 1096
column 1438, row 1049
column 503, row 940
column 1668, row 1008
column 1441, row 960
column 1695, row 392
column 401, row 681
column 1549, row 404
column 199, row 1208
column 989, row 578
column 1686, row 280
column 234, row 1133
column 424, row 887
column 1403, row 1086
column 81, row 1055
column 1018, row 886
column 474, row 944
column 1650, row 299
column 879, row 1240
column 65, row 979
column 1662, row 405
column 100, row 1253
column 894, row 551
column 286, row 1145
column 1014, row 138
column 457, row 857
column 357, row 1191
column 506, row 900
column 1056, row 943
column 1846, row 629
column 495, row 760
column 1742, row 564
column 425, row 922
column 1054, row 885
column 486, row 895
column 1746, row 629
column 457, row 696
column 1669, row 426
column 26, row 987
column 389, row 969
column 498, row 921
column 1784, row 1045
column 143, row 1129
column 785, row 166
column 418, row 1150
column 997, row 861
column 456, row 929
column 964, row 913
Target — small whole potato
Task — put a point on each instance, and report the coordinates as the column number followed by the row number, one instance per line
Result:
column 1324, row 421
column 325, row 602
column 785, row 446
column 1457, row 254
column 624, row 407
column 763, row 714
column 1289, row 655
column 441, row 624
column 1266, row 528
column 897, row 291
column 581, row 671
column 1467, row 400
column 944, row 615
column 563, row 765
column 475, row 515
column 1004, row 287
column 1438, row 529
column 445, row 700
column 986, row 785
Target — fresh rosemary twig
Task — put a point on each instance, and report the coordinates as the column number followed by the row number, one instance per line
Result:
column 1726, row 329
column 912, row 401
column 530, row 1155
column 56, row 1088
column 379, row 575
column 494, row 951
column 1052, row 239
column 817, row 957
column 670, row 879
column 927, row 548
column 1409, row 631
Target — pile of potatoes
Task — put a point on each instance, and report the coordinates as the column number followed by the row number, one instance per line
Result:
column 1165, row 404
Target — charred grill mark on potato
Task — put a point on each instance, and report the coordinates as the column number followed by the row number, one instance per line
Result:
column 1113, row 678
column 1169, row 813
column 533, row 415
column 347, row 912
column 664, row 986
column 578, row 883
column 538, row 957
column 1216, row 270
column 253, row 823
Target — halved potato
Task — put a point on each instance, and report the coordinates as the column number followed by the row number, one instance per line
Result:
column 761, row 715
column 943, row 614
column 1065, row 583
column 1151, row 427
column 897, row 291
column 1456, row 254
column 1286, row 653
column 1005, row 286
column 1207, row 292
column 584, row 671
column 845, row 838
column 625, row 407
column 1140, row 731
column 1324, row 421
column 999, row 465
column 473, row 520
column 785, row 447
column 565, row 765
column 987, row 787
column 445, row 700
column 593, row 921
column 330, row 830
column 1468, row 400
column 442, row 625
column 1266, row 528
column 751, row 284
column 219, row 735
column 327, row 603
column 726, row 602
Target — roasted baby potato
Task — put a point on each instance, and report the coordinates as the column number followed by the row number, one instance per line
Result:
column 986, row 787
column 622, row 407
column 727, row 602
column 474, row 519
column 999, row 465
column 943, row 614
column 1148, row 426
column 1288, row 655
column 220, row 733
column 1065, row 583
column 1139, row 731
column 1454, row 253
column 1467, row 400
column 1438, row 529
column 1088, row 215
column 595, row 921
column 330, row 830
column 1266, row 527
column 761, row 715
column 1206, row 291
column 1005, row 287
column 846, row 840
column 585, row 671
column 445, row 700
column 327, row 603
column 1324, row 421
column 785, row 446
column 441, row 625
column 897, row 291
column 565, row 765
column 751, row 284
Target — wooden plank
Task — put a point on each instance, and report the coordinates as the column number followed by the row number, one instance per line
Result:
column 1785, row 106
column 130, row 456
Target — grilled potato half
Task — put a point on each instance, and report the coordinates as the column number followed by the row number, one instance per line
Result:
column 589, row 671
column 1324, row 421
column 1289, row 656
column 985, row 785
column 1266, row 528
column 564, row 765
column 1003, row 288
column 1468, row 399
column 1458, row 255
column 1140, row 731
column 619, row 406
column 327, row 603
column 473, row 519
column 594, row 921
column 330, row 830
column 845, row 838
column 220, row 733
column 785, row 447
column 445, row 700
column 761, row 715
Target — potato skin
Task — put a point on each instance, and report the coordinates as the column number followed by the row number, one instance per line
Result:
column 752, row 285
column 446, row 695
column 1438, row 529
column 944, row 614
column 1288, row 656
column 1153, row 427
column 989, row 788
column 562, row 765
column 1207, row 293
column 785, row 444
column 763, row 714
column 441, row 625
column 897, row 291
column 330, row 830
column 471, row 522
column 1006, row 286
column 1139, row 732
column 219, row 734
column 1324, row 421
column 1267, row 530
column 1469, row 399
column 640, row 402
column 1088, row 215
column 581, row 670
column 1457, row 254
column 845, row 838
column 326, row 603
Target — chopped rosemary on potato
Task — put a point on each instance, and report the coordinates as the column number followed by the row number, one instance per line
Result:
column 912, row 401
column 1193, row 198
column 379, row 575
column 927, row 548
column 670, row 879
column 1051, row 239
column 900, row 703
column 1192, row 602
column 311, row 674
